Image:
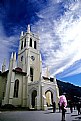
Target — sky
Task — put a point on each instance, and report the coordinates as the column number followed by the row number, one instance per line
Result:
column 57, row 22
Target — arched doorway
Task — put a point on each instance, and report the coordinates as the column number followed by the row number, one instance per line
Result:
column 34, row 94
column 49, row 97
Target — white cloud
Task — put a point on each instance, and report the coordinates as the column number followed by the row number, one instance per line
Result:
column 60, row 39
column 7, row 45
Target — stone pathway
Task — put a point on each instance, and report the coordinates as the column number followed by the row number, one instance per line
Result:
column 47, row 115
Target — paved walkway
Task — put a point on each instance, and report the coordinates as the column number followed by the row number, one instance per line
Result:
column 38, row 116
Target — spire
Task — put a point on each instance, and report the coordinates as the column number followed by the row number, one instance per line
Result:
column 14, row 61
column 28, row 28
column 22, row 33
column 14, row 56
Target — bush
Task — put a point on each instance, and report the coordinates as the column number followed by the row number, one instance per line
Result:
column 8, row 106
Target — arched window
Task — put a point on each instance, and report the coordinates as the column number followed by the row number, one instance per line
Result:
column 21, row 45
column 49, row 97
column 30, row 42
column 25, row 43
column 21, row 58
column 31, row 74
column 16, row 88
column 35, row 46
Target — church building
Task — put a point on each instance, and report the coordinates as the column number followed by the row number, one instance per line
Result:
column 23, row 84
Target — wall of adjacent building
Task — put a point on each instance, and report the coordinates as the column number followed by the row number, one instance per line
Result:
column 2, row 88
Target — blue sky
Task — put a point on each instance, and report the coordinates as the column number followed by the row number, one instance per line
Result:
column 58, row 23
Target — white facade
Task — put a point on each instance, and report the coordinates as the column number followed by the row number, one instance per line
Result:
column 23, row 83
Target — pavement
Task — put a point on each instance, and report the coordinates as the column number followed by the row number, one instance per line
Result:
column 47, row 115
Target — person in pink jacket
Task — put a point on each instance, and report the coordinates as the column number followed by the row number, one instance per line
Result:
column 63, row 104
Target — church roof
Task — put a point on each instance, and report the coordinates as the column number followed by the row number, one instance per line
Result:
column 46, row 78
column 19, row 70
column 4, row 73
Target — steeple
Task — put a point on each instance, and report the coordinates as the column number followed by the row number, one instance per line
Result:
column 29, row 55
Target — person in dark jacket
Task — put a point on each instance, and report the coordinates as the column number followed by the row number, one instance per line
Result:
column 54, row 107
column 59, row 107
column 78, row 107
column 71, row 106
column 63, row 111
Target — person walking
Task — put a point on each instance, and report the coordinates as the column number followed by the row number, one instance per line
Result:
column 71, row 106
column 59, row 107
column 54, row 107
column 63, row 111
column 78, row 107
column 63, row 104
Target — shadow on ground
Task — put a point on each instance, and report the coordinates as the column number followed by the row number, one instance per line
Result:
column 74, row 115
column 77, row 118
column 49, row 112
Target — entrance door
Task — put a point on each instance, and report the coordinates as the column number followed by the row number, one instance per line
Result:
column 34, row 94
column 49, row 97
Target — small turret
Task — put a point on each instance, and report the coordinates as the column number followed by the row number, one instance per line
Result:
column 28, row 28
column 4, row 66
column 55, row 80
column 47, row 72
column 14, row 61
column 22, row 33
column 40, row 64
column 12, row 56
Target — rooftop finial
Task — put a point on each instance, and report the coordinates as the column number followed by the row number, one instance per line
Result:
column 47, row 72
column 28, row 28
column 4, row 62
column 22, row 33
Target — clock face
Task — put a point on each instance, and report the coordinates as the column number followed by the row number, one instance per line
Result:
column 33, row 58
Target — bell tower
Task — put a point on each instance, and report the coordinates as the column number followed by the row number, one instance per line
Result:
column 29, row 58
